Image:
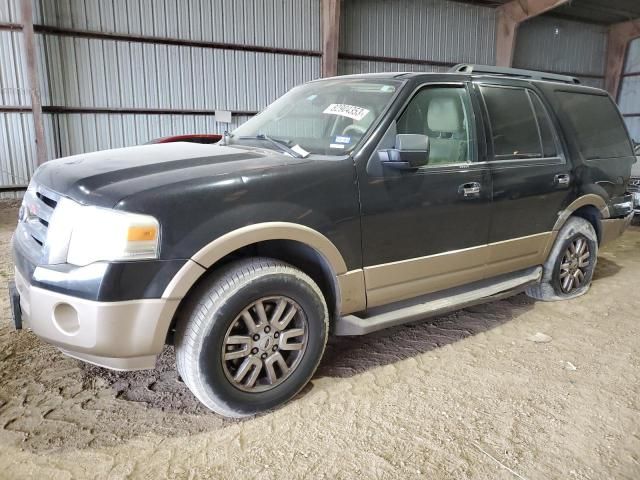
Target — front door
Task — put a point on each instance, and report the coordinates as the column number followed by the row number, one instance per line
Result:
column 531, row 177
column 426, row 229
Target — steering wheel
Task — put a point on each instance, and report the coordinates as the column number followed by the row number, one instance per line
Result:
column 356, row 128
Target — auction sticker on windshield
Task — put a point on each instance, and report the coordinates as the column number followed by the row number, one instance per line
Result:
column 344, row 110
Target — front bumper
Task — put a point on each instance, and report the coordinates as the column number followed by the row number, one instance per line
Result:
column 125, row 335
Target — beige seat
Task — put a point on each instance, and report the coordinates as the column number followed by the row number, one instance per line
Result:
column 447, row 138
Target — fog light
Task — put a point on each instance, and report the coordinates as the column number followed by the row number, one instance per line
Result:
column 65, row 318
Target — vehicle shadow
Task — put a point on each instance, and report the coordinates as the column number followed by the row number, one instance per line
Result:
column 348, row 356
column 605, row 268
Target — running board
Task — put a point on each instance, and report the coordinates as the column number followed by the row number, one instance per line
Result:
column 438, row 303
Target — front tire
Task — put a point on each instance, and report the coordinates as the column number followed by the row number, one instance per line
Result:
column 568, row 271
column 251, row 336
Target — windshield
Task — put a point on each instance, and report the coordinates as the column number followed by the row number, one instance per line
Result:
column 326, row 117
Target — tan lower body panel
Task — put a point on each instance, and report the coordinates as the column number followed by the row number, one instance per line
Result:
column 392, row 282
column 613, row 228
column 519, row 253
column 352, row 292
column 119, row 335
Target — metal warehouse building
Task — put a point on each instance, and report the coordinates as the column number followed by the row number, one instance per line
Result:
column 84, row 75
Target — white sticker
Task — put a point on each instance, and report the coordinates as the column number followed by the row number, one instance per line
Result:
column 336, row 145
column 298, row 149
column 344, row 110
column 340, row 139
column 223, row 116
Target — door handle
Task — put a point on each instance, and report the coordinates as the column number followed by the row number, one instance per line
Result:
column 562, row 179
column 470, row 190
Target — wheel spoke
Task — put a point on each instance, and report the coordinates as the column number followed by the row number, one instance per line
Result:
column 248, row 321
column 262, row 315
column 282, row 324
column 583, row 246
column 239, row 353
column 243, row 370
column 563, row 274
column 238, row 340
column 251, row 381
column 277, row 313
column 567, row 283
column 289, row 334
column 584, row 260
column 271, row 362
column 579, row 277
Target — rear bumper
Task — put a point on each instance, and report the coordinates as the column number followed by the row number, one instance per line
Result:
column 126, row 335
column 612, row 228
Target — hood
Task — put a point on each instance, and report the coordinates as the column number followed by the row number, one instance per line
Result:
column 104, row 178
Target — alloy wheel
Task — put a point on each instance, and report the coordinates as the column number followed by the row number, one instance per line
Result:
column 574, row 264
column 264, row 344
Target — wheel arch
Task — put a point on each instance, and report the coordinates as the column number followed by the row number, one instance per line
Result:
column 298, row 245
column 590, row 207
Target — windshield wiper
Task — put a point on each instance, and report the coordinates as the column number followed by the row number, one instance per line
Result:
column 279, row 144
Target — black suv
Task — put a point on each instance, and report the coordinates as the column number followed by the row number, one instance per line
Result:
column 349, row 205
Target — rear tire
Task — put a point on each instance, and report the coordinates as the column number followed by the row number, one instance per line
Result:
column 568, row 271
column 251, row 336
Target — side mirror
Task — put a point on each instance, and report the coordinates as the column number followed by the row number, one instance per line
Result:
column 411, row 152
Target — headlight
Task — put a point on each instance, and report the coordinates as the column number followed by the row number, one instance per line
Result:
column 100, row 234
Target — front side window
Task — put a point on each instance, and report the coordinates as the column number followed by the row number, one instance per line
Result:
column 326, row 117
column 444, row 115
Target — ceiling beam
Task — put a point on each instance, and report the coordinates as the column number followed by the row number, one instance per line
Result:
column 330, row 37
column 509, row 17
column 618, row 39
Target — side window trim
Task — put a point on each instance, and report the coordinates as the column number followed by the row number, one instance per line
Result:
column 558, row 158
column 552, row 127
column 529, row 94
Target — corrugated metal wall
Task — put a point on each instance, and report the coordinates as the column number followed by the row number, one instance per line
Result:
column 629, row 97
column 438, row 33
column 563, row 46
column 17, row 145
column 130, row 74
column 271, row 23
column 10, row 11
column 83, row 72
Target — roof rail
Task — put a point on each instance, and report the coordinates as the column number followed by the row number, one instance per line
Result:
column 513, row 72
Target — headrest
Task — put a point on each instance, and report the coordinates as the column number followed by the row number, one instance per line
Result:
column 444, row 115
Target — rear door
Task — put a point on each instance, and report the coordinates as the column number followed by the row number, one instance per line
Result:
column 531, row 175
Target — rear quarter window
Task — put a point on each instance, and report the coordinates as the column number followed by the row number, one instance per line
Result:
column 595, row 124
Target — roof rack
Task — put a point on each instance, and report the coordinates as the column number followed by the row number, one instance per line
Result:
column 513, row 72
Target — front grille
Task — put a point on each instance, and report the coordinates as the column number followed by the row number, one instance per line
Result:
column 35, row 214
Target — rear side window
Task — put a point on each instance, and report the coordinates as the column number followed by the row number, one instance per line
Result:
column 595, row 124
column 513, row 123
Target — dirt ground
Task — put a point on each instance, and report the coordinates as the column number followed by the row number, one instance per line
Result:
column 466, row 395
